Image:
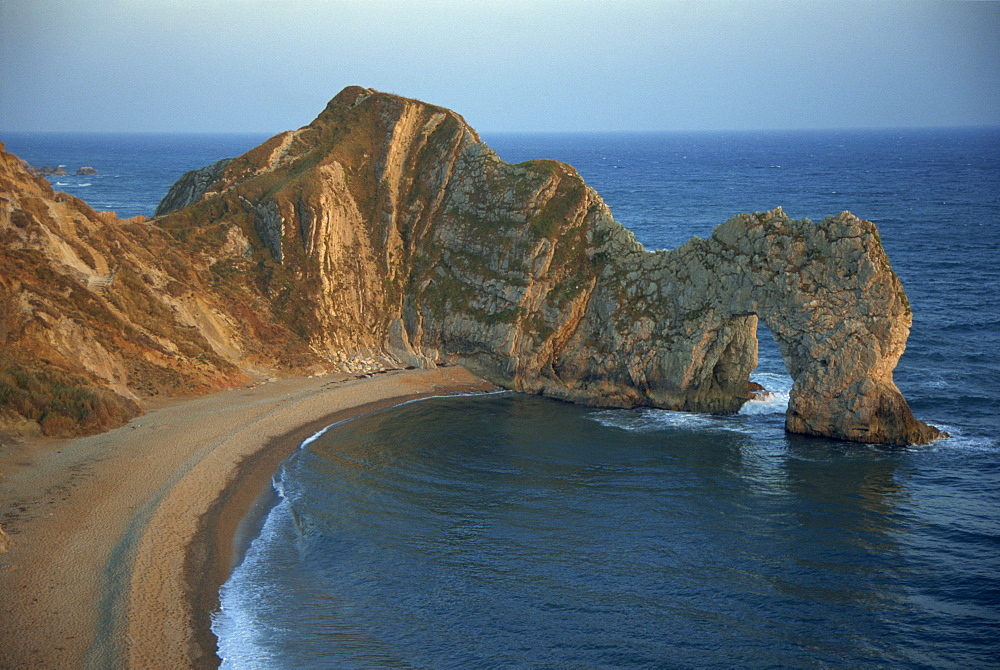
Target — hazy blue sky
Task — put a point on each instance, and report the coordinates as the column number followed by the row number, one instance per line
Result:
column 256, row 65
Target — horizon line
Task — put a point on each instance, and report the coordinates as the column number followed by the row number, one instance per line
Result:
column 660, row 131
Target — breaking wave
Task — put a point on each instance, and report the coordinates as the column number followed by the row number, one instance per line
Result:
column 644, row 420
column 775, row 401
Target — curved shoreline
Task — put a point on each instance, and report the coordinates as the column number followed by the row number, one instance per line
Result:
column 121, row 540
column 212, row 552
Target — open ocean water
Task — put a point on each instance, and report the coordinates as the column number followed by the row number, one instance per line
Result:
column 506, row 531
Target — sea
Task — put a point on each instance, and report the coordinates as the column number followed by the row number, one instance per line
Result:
column 511, row 531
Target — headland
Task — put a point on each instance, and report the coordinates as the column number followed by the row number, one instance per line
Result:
column 386, row 229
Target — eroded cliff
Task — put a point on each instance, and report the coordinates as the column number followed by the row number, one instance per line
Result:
column 97, row 313
column 385, row 229
column 389, row 226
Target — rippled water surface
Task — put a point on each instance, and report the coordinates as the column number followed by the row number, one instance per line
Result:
column 513, row 531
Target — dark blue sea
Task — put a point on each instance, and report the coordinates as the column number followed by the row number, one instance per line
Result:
column 505, row 531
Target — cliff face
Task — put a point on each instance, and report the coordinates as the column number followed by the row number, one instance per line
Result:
column 385, row 231
column 387, row 226
column 190, row 187
column 96, row 313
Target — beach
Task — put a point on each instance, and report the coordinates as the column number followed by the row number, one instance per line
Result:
column 121, row 540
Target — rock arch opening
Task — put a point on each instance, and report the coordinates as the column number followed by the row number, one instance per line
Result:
column 770, row 381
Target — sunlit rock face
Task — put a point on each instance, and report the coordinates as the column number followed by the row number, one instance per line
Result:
column 827, row 293
column 96, row 313
column 389, row 227
column 385, row 231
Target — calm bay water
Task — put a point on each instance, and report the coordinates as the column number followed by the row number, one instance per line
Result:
column 510, row 531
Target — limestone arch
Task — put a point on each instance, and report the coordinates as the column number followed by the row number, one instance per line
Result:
column 838, row 312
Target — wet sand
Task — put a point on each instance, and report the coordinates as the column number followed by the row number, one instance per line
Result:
column 121, row 540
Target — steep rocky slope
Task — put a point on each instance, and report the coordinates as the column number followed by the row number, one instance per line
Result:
column 191, row 187
column 390, row 227
column 96, row 313
column 386, row 229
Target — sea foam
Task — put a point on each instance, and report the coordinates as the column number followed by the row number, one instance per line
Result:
column 775, row 401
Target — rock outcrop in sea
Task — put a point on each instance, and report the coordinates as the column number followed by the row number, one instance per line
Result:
column 386, row 230
column 190, row 187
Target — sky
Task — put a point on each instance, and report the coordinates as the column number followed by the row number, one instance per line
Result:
column 505, row 65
